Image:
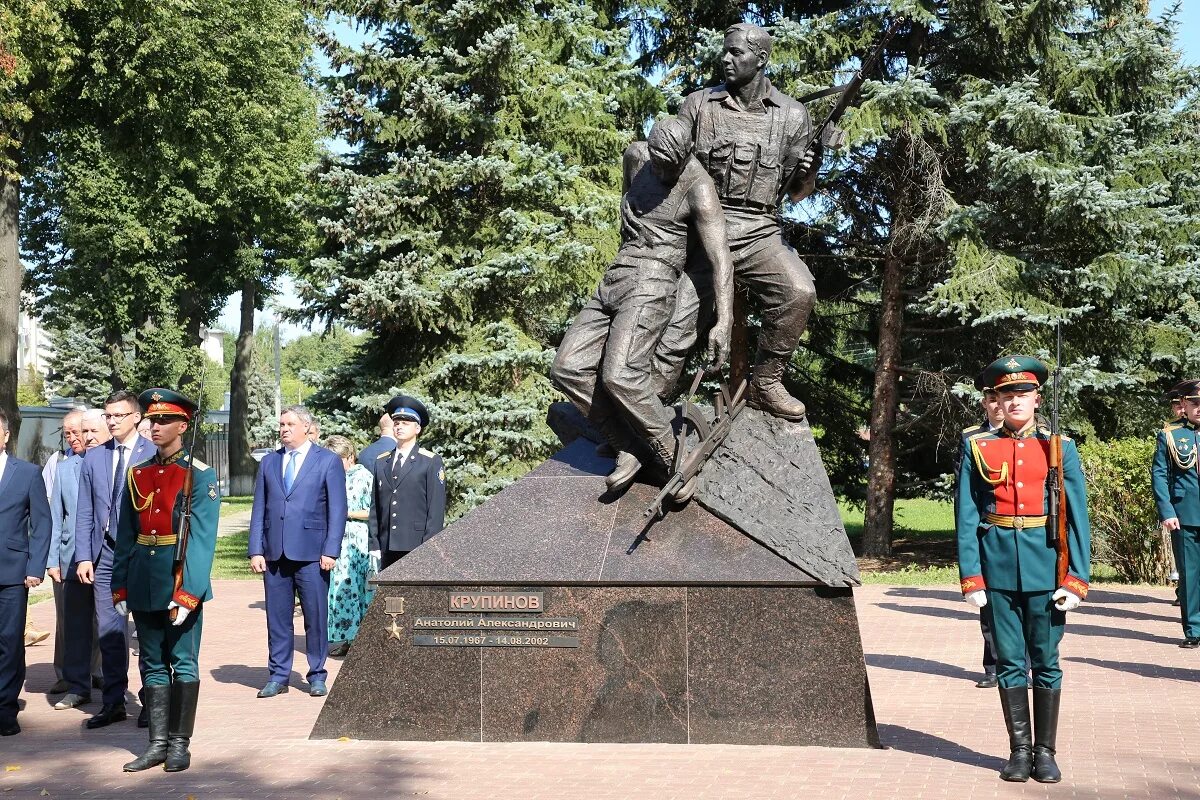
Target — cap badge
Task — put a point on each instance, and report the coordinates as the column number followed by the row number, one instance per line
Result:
column 156, row 397
column 1013, row 364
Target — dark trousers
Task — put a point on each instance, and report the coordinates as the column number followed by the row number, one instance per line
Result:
column 169, row 652
column 111, row 627
column 1026, row 622
column 80, row 637
column 282, row 582
column 14, row 601
column 989, row 644
column 389, row 557
column 606, row 362
column 1185, row 543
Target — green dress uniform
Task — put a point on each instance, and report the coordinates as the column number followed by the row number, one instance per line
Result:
column 1176, row 484
column 161, row 493
column 1006, row 550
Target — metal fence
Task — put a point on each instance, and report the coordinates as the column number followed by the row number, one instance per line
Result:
column 41, row 435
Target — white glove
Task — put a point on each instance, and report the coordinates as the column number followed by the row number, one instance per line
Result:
column 376, row 558
column 977, row 598
column 121, row 607
column 1066, row 601
column 181, row 613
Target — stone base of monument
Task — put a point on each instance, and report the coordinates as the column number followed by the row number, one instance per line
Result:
column 526, row 620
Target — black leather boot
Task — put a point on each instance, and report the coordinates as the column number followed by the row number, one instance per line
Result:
column 1015, row 703
column 157, row 702
column 183, row 721
column 1045, row 727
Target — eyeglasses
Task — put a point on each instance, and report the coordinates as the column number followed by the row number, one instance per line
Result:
column 119, row 417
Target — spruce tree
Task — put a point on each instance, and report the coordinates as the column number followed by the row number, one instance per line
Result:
column 476, row 209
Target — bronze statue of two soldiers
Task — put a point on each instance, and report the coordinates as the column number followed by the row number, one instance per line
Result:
column 713, row 175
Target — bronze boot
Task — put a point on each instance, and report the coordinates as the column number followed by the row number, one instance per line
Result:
column 1045, row 729
column 183, row 721
column 624, row 472
column 1015, row 703
column 767, row 392
column 157, row 701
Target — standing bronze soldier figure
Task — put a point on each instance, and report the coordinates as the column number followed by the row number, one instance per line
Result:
column 754, row 141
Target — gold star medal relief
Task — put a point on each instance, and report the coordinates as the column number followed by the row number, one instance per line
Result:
column 394, row 607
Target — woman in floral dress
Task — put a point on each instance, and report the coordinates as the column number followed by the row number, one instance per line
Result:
column 349, row 594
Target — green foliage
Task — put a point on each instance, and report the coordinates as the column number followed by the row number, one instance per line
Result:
column 78, row 364
column 163, row 150
column 1125, row 530
column 31, row 390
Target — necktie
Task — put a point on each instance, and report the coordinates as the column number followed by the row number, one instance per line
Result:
column 118, row 483
column 289, row 472
column 397, row 464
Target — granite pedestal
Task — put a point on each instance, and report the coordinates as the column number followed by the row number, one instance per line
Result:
column 701, row 635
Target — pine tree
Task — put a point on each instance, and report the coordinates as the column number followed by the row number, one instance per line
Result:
column 474, row 213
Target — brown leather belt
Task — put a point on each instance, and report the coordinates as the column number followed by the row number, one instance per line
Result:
column 153, row 540
column 1016, row 523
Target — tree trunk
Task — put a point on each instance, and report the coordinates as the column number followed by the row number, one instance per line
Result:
column 11, row 276
column 241, row 465
column 881, row 476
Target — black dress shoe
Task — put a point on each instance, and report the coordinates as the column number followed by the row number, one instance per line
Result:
column 109, row 713
column 339, row 650
column 273, row 688
column 988, row 682
column 9, row 727
column 1190, row 643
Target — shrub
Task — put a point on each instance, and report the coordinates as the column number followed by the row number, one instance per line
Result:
column 1125, row 529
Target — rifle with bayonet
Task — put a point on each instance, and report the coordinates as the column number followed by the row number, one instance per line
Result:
column 185, row 520
column 1056, row 519
column 828, row 134
column 688, row 461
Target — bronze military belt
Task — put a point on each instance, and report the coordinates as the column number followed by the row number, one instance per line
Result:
column 1015, row 522
column 153, row 541
column 738, row 202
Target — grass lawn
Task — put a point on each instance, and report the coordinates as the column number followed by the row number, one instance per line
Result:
column 232, row 505
column 230, row 560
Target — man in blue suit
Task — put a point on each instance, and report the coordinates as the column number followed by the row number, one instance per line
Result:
column 25, row 529
column 77, row 623
column 102, row 481
column 296, row 529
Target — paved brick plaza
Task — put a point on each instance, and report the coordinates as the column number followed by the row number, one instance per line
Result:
column 1130, row 727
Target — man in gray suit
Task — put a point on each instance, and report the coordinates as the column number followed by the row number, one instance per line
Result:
column 25, row 531
column 79, row 650
column 102, row 483
column 72, row 434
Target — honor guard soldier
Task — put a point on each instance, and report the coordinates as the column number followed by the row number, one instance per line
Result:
column 408, row 494
column 1023, row 572
column 1176, row 484
column 164, row 554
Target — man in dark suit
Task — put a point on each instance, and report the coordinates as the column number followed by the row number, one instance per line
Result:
column 385, row 443
column 102, row 481
column 409, row 491
column 296, row 528
column 25, row 529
